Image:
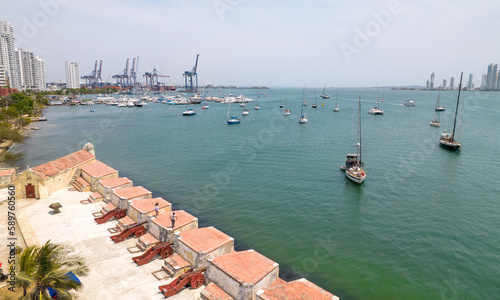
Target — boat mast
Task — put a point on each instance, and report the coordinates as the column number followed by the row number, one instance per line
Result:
column 456, row 110
column 377, row 96
column 359, row 130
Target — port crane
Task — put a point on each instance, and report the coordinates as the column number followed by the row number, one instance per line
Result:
column 152, row 79
column 188, row 77
column 94, row 78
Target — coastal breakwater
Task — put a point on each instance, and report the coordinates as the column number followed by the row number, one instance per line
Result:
column 234, row 274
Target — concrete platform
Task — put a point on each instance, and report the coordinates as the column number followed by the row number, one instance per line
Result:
column 113, row 274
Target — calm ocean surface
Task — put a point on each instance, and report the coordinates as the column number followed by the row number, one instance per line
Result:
column 424, row 225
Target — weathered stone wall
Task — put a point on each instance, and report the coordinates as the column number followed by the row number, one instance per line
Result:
column 224, row 281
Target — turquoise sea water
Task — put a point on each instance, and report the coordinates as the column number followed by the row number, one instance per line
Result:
column 424, row 225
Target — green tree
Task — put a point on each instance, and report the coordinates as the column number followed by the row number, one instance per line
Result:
column 41, row 267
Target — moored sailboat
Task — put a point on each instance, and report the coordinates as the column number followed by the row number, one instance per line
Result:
column 354, row 165
column 376, row 110
column 448, row 140
column 336, row 108
column 231, row 120
column 324, row 95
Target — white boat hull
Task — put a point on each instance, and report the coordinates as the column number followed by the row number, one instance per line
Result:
column 435, row 123
column 357, row 176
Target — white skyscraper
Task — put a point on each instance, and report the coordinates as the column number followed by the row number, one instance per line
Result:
column 31, row 70
column 8, row 54
column 3, row 77
column 72, row 75
column 494, row 77
column 471, row 82
column 432, row 81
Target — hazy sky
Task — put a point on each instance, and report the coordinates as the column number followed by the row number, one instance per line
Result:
column 257, row 42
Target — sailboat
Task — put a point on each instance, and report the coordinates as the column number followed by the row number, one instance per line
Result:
column 439, row 107
column 232, row 120
column 383, row 99
column 205, row 105
column 437, row 119
column 336, row 108
column 376, row 110
column 257, row 107
column 188, row 111
column 354, row 166
column 286, row 112
column 447, row 140
column 315, row 105
column 303, row 116
column 281, row 105
column 325, row 96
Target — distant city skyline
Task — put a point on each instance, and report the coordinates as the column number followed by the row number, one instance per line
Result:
column 351, row 44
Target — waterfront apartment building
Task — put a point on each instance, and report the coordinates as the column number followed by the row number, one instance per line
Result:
column 452, row 83
column 471, row 82
column 31, row 70
column 432, row 81
column 8, row 55
column 494, row 77
column 3, row 77
column 489, row 77
column 72, row 75
column 444, row 84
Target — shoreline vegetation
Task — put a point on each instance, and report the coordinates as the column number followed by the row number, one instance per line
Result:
column 19, row 110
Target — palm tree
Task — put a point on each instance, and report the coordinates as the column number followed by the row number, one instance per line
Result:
column 43, row 267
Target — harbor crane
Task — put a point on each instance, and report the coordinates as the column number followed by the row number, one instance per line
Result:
column 188, row 77
column 94, row 78
column 128, row 78
column 152, row 79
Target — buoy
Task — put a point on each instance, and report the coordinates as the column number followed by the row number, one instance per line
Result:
column 322, row 103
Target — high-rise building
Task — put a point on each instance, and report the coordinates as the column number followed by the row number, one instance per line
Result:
column 483, row 82
column 498, row 82
column 428, row 84
column 494, row 77
column 72, row 75
column 8, row 54
column 432, row 81
column 471, row 83
column 489, row 76
column 3, row 78
column 452, row 83
column 444, row 84
column 31, row 70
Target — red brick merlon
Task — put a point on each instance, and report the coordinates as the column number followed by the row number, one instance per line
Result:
column 62, row 164
column 300, row 289
column 114, row 182
column 204, row 239
column 246, row 267
column 98, row 169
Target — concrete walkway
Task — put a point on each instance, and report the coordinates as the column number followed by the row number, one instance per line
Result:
column 113, row 274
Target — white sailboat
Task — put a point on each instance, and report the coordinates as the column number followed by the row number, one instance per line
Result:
column 376, row 110
column 189, row 111
column 336, row 108
column 231, row 120
column 286, row 111
column 303, row 116
column 257, row 107
column 325, row 96
column 354, row 165
column 448, row 140
column 437, row 119
column 439, row 107
column 315, row 105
